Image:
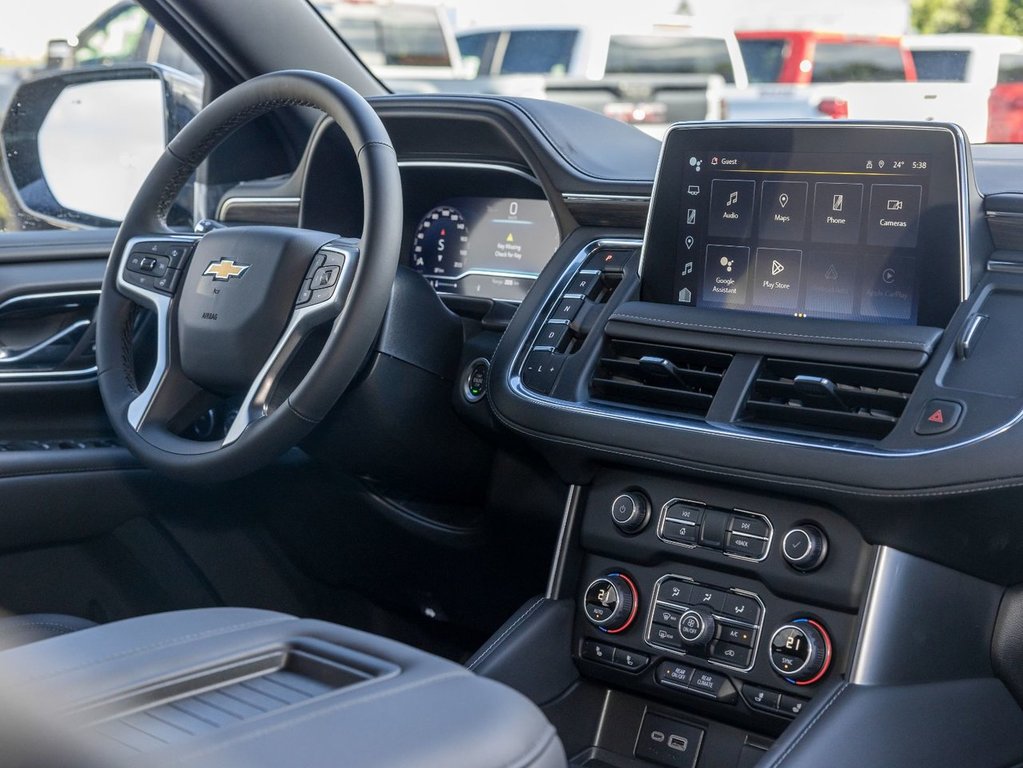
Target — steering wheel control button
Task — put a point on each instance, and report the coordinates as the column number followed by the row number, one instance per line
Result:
column 325, row 277
column 801, row 651
column 305, row 295
column 540, row 370
column 611, row 602
column 169, row 282
column 474, row 382
column 696, row 627
column 630, row 511
column 938, row 417
column 805, row 547
column 668, row 742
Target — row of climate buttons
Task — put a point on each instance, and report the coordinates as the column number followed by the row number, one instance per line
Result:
column 715, row 624
column 735, row 532
column 770, row 700
column 682, row 677
column 614, row 656
column 567, row 322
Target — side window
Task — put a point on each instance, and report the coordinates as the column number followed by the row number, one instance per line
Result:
column 1010, row 68
column 538, row 52
column 844, row 62
column 90, row 122
column 477, row 49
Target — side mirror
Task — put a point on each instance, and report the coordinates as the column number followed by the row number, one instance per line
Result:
column 79, row 143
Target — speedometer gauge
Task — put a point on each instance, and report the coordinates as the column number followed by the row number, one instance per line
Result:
column 441, row 244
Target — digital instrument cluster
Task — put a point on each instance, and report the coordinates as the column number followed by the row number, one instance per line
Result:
column 486, row 247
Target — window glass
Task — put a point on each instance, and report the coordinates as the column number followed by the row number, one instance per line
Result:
column 540, row 52
column 850, row 62
column 763, row 59
column 669, row 55
column 941, row 66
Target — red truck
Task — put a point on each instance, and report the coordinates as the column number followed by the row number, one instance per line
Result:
column 803, row 57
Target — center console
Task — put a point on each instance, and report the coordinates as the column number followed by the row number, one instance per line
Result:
column 766, row 400
column 730, row 605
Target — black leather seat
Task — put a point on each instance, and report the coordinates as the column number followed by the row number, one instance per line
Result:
column 20, row 630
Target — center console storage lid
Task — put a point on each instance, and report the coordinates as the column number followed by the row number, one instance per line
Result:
column 241, row 687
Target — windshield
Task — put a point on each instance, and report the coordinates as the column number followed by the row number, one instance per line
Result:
column 652, row 63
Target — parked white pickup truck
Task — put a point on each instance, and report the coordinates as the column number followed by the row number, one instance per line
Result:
column 962, row 103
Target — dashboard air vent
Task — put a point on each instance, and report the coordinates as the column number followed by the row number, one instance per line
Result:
column 660, row 378
column 841, row 400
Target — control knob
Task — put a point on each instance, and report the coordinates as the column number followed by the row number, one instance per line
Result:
column 611, row 602
column 630, row 511
column 801, row 651
column 696, row 627
column 805, row 547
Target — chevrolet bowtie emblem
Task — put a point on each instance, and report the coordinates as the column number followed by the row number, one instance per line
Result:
column 225, row 269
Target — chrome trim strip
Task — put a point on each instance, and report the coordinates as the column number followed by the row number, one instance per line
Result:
column 77, row 373
column 719, row 616
column 1003, row 214
column 514, row 382
column 483, row 273
column 556, row 578
column 1012, row 267
column 35, row 349
column 161, row 305
column 583, row 197
column 960, row 161
column 241, row 202
column 885, row 569
column 22, row 298
column 470, row 165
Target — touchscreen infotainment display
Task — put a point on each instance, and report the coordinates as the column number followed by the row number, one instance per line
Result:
column 839, row 222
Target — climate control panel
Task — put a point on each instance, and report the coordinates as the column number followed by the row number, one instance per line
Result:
column 693, row 619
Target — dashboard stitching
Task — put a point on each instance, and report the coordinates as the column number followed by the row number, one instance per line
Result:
column 504, row 635
column 774, row 479
column 744, row 331
column 838, row 692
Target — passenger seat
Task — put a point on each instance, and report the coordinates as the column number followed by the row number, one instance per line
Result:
column 21, row 630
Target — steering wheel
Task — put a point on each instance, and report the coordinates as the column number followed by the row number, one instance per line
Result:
column 232, row 307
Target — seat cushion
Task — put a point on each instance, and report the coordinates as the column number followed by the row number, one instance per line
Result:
column 19, row 630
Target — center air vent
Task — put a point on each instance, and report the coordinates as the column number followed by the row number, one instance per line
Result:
column 841, row 400
column 660, row 378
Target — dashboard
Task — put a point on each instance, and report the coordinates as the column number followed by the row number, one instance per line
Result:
column 776, row 489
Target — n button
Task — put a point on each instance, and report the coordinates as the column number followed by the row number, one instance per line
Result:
column 939, row 416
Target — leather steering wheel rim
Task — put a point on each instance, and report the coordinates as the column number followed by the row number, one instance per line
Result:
column 357, row 322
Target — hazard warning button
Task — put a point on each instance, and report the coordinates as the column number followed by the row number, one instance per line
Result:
column 938, row 416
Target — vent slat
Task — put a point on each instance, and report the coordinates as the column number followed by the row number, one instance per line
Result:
column 675, row 380
column 856, row 402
